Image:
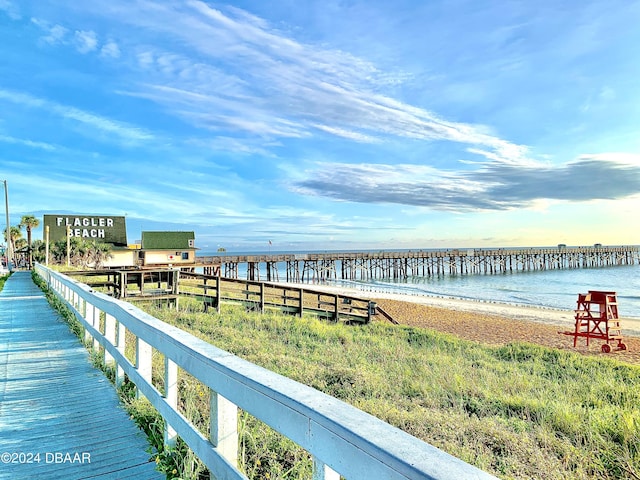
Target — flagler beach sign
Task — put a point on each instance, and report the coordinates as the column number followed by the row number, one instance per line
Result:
column 103, row 229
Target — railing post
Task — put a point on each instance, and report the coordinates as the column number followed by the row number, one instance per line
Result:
column 171, row 396
column 371, row 310
column 75, row 301
column 121, row 334
column 83, row 311
column 224, row 427
column 323, row 472
column 175, row 288
column 176, row 282
column 218, row 294
column 110, row 335
column 261, row 297
column 92, row 315
column 144, row 356
column 301, row 297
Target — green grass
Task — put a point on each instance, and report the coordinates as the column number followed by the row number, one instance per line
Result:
column 518, row 411
column 3, row 279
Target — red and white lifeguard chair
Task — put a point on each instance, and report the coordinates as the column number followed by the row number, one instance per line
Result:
column 597, row 317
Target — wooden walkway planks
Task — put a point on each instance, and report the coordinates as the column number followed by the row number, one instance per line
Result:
column 54, row 403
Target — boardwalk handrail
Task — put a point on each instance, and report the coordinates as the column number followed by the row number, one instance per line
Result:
column 341, row 439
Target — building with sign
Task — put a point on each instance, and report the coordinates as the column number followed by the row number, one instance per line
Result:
column 104, row 229
column 174, row 248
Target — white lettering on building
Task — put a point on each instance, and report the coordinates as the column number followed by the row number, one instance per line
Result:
column 84, row 222
column 87, row 233
column 85, row 227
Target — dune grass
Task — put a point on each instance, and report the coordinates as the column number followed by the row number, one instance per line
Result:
column 517, row 411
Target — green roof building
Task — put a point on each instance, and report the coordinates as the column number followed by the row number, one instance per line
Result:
column 162, row 248
column 168, row 240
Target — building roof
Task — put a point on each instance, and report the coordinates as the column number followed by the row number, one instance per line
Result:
column 168, row 240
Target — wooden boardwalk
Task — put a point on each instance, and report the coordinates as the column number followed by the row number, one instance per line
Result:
column 59, row 416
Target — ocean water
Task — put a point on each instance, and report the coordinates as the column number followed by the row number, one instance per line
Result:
column 547, row 288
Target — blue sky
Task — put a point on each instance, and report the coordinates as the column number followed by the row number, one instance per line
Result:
column 333, row 124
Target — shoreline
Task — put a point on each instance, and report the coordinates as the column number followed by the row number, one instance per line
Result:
column 549, row 316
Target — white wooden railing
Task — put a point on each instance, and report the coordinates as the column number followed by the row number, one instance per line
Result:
column 343, row 440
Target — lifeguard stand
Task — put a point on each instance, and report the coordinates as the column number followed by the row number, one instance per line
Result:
column 597, row 317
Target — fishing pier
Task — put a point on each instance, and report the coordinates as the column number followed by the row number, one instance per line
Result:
column 311, row 267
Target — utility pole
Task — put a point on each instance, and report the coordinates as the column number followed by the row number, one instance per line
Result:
column 46, row 236
column 68, row 244
column 8, row 231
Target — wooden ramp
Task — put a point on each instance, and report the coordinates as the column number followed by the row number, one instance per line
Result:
column 59, row 416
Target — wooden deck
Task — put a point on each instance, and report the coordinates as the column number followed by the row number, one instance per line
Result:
column 59, row 416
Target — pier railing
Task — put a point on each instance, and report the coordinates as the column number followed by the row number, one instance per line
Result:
column 342, row 440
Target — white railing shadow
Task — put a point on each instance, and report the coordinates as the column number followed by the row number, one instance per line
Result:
column 342, row 440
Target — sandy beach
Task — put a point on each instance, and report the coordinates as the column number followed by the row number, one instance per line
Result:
column 493, row 323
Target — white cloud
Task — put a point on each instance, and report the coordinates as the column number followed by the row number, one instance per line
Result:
column 622, row 158
column 341, row 132
column 273, row 85
column 607, row 94
column 22, row 99
column 55, row 34
column 85, row 41
column 145, row 59
column 10, row 9
column 28, row 143
column 98, row 124
column 110, row 50
column 103, row 124
column 495, row 185
column 229, row 144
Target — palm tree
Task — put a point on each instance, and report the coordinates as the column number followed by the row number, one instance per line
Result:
column 78, row 251
column 39, row 250
column 21, row 245
column 14, row 235
column 59, row 251
column 29, row 222
column 98, row 253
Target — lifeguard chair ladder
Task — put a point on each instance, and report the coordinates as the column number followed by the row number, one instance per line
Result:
column 597, row 317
